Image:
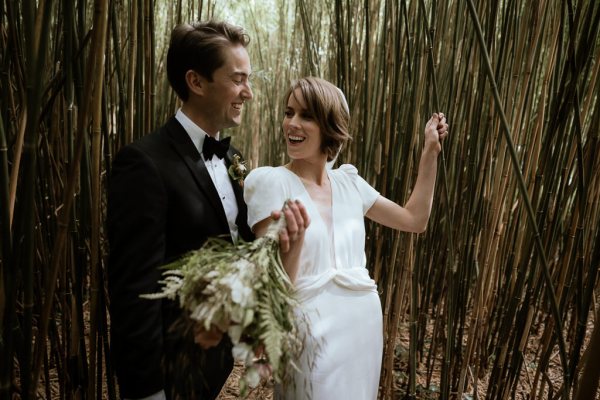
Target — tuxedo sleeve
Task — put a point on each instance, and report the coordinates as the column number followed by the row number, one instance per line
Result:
column 136, row 216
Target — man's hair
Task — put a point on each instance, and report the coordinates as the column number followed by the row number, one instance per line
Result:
column 199, row 46
column 326, row 103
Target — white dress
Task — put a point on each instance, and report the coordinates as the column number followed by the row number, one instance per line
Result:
column 342, row 359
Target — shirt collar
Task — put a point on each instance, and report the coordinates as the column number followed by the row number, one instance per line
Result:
column 195, row 133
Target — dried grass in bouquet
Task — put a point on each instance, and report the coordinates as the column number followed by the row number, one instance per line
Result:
column 243, row 290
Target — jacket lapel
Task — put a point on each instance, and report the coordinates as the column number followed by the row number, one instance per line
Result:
column 185, row 148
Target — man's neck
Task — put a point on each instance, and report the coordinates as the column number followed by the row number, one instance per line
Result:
column 198, row 119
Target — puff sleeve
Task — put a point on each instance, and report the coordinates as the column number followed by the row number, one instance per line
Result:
column 366, row 192
column 264, row 191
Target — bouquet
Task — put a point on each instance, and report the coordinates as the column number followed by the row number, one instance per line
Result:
column 243, row 290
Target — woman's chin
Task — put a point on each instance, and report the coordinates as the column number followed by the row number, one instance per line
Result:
column 293, row 155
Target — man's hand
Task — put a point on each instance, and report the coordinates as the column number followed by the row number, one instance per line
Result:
column 297, row 221
column 207, row 339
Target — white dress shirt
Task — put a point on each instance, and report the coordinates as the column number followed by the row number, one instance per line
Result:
column 217, row 169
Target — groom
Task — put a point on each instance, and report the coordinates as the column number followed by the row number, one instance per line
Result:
column 168, row 192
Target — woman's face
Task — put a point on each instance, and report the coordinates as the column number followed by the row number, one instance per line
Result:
column 301, row 131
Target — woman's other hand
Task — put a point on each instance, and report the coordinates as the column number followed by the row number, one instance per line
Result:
column 297, row 220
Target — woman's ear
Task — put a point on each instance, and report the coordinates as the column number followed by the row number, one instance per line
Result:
column 195, row 82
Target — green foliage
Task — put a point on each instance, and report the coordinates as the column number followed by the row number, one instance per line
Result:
column 244, row 291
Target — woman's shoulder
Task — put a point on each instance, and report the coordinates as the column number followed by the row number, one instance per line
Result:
column 347, row 171
column 266, row 172
column 267, row 181
column 348, row 174
column 265, row 190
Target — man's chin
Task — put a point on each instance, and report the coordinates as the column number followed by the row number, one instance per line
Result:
column 235, row 122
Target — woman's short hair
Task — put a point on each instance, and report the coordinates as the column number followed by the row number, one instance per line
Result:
column 327, row 104
column 199, row 46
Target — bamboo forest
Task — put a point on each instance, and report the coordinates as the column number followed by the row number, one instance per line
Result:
column 498, row 299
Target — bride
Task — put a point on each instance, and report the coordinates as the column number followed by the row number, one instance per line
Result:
column 342, row 354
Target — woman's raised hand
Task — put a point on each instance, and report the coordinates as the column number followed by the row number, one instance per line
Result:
column 436, row 130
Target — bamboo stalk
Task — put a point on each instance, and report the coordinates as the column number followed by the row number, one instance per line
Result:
column 131, row 73
column 7, row 272
column 14, row 176
column 101, row 15
column 26, row 214
column 382, row 54
column 98, row 48
column 445, row 385
column 523, row 191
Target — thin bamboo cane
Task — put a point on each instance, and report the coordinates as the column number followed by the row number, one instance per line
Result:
column 7, row 297
column 131, row 73
column 539, row 98
column 70, row 118
column 140, row 75
column 14, row 176
column 9, row 327
column 523, row 190
column 101, row 15
column 121, row 125
column 97, row 46
column 428, row 27
column 147, row 87
column 38, row 39
column 5, row 243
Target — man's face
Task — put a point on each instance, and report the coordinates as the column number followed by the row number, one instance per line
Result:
column 224, row 97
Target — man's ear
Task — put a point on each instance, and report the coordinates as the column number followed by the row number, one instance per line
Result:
column 196, row 83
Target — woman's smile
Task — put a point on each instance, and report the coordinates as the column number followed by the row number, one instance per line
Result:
column 295, row 139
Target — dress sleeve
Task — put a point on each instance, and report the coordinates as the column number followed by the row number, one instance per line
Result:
column 264, row 192
column 366, row 192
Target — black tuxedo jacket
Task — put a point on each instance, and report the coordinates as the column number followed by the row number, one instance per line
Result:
column 161, row 204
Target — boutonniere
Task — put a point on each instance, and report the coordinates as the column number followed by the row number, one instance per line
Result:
column 238, row 170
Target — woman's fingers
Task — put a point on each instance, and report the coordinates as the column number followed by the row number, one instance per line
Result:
column 297, row 220
column 442, row 124
column 303, row 213
column 284, row 239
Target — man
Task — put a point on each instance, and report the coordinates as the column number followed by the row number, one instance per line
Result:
column 168, row 193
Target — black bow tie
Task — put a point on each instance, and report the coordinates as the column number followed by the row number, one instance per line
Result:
column 216, row 147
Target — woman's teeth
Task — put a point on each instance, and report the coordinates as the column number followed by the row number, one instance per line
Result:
column 296, row 139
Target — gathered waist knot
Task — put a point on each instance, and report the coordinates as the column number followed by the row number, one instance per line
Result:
column 350, row 278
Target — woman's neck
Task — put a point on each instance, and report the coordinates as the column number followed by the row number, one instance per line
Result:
column 309, row 171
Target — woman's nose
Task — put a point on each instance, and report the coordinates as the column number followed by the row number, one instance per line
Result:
column 294, row 121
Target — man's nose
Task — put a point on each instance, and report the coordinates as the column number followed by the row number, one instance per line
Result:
column 247, row 92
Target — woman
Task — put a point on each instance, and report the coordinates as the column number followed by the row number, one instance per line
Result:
column 342, row 355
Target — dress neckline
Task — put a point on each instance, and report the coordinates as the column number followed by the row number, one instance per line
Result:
column 329, row 230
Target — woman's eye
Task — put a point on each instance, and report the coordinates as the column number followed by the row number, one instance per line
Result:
column 288, row 113
column 307, row 116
